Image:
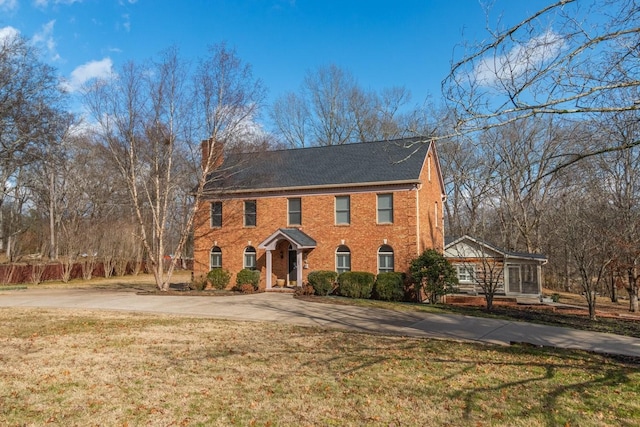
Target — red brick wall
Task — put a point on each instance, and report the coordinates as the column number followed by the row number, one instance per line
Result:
column 414, row 229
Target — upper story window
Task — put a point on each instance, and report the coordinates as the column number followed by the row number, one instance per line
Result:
column 250, row 213
column 343, row 209
column 216, row 214
column 385, row 259
column 343, row 259
column 295, row 211
column 215, row 258
column 249, row 258
column 385, row 208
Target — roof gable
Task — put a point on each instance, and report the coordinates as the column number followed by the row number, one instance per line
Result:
column 470, row 247
column 298, row 238
column 367, row 163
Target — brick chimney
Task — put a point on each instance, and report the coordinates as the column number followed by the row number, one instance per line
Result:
column 212, row 153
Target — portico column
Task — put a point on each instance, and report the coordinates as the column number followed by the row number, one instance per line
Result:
column 269, row 269
column 300, row 267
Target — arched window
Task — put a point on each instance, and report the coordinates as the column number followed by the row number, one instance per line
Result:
column 250, row 258
column 385, row 259
column 215, row 258
column 343, row 259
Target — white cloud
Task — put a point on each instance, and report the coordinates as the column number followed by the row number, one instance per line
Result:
column 44, row 3
column 8, row 33
column 8, row 5
column 127, row 22
column 520, row 60
column 88, row 71
column 45, row 38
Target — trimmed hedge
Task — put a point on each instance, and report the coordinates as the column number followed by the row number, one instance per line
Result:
column 219, row 278
column 322, row 281
column 248, row 277
column 389, row 287
column 356, row 284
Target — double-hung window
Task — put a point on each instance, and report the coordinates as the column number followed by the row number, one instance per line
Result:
column 250, row 258
column 466, row 273
column 250, row 213
column 385, row 259
column 295, row 211
column 215, row 258
column 216, row 214
column 385, row 208
column 343, row 209
column 343, row 259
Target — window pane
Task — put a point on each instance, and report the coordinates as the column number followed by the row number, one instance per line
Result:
column 385, row 259
column 343, row 259
column 216, row 214
column 466, row 273
column 250, row 258
column 295, row 211
column 250, row 213
column 385, row 208
column 250, row 261
column 215, row 260
column 343, row 208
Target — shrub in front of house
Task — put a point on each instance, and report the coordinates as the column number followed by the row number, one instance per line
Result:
column 248, row 277
column 323, row 281
column 219, row 278
column 432, row 274
column 356, row 284
column 389, row 287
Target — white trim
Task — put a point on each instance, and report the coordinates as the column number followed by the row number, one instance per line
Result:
column 312, row 191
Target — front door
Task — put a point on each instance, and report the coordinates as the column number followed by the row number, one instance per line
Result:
column 293, row 268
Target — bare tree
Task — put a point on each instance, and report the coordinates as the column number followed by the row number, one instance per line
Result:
column 291, row 116
column 523, row 153
column 151, row 118
column 568, row 58
column 469, row 181
column 583, row 220
column 332, row 109
column 31, row 116
column 620, row 182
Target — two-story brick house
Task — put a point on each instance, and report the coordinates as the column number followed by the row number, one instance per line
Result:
column 364, row 207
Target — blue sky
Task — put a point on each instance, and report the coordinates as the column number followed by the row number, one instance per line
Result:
column 382, row 43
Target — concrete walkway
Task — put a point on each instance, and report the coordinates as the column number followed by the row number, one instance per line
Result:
column 274, row 307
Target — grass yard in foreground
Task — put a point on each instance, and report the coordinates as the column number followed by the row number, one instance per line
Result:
column 104, row 368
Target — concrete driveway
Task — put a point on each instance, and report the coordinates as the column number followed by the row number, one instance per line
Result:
column 275, row 307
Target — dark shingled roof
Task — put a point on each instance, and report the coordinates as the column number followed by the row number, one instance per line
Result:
column 338, row 165
column 449, row 241
column 299, row 237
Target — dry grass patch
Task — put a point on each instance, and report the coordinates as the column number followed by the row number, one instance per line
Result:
column 97, row 368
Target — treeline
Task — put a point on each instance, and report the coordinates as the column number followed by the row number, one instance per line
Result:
column 538, row 140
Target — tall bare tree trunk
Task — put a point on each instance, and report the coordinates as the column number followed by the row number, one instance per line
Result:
column 53, row 250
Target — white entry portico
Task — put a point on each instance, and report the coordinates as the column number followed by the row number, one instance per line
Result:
column 299, row 244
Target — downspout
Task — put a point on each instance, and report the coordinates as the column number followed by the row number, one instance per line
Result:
column 417, row 189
